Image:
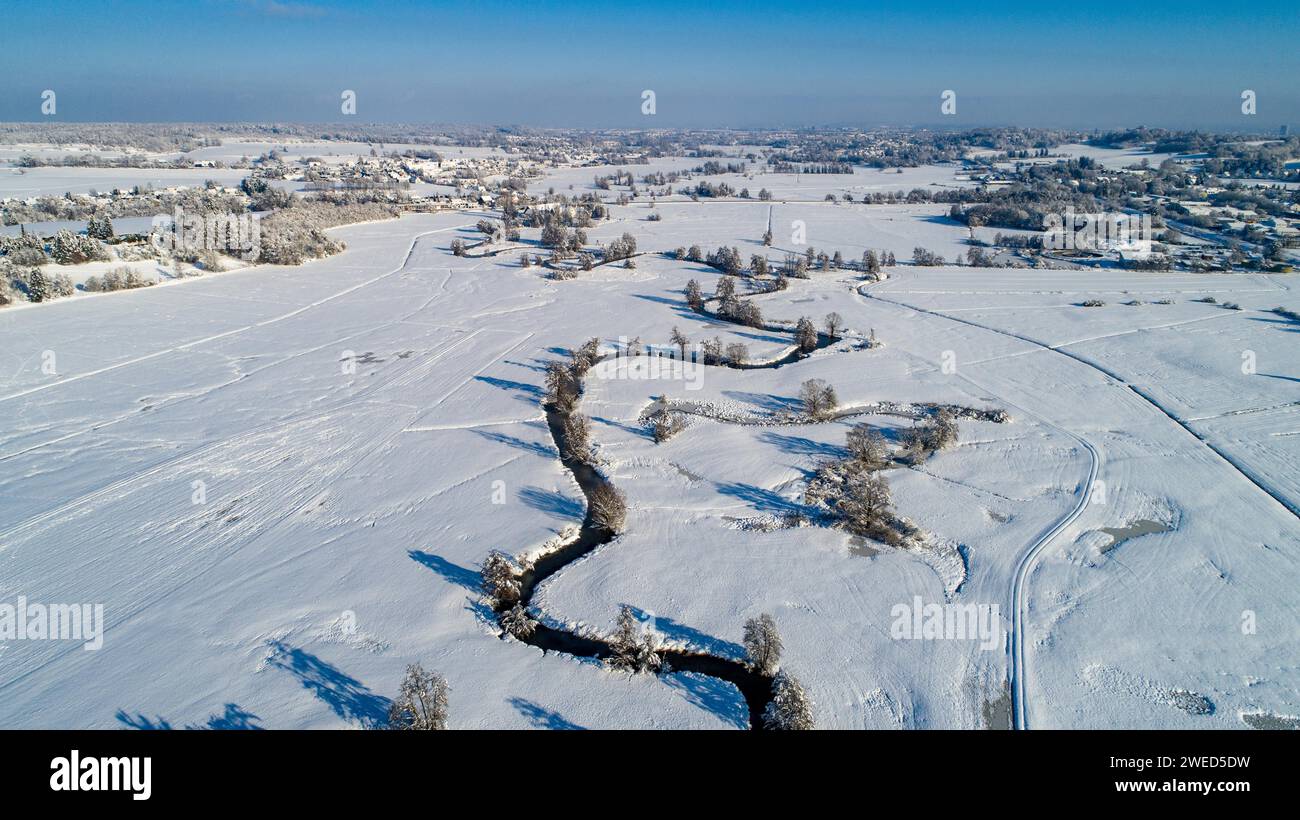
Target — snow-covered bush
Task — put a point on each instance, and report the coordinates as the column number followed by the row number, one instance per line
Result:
column 577, row 438
column 632, row 651
column 421, row 702
column 867, row 445
column 69, row 248
column 791, row 708
column 518, row 622
column 607, row 508
column 500, row 578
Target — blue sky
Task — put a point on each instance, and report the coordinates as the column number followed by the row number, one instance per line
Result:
column 711, row 64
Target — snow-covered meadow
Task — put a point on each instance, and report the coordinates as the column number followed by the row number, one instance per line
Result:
column 280, row 483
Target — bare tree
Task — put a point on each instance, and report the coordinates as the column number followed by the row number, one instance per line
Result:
column 577, row 438
column 726, row 288
column 943, row 430
column 737, row 353
column 679, row 339
column 834, row 323
column 421, row 702
column 805, row 335
column 937, row 434
column 607, row 508
column 818, row 398
column 763, row 644
column 581, row 360
column 562, row 388
column 712, row 350
column 870, row 263
column 866, row 506
column 694, row 299
column 867, row 446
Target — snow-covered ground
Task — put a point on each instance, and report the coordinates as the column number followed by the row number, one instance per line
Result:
column 23, row 183
column 280, row 483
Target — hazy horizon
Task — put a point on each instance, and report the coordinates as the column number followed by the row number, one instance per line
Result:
column 585, row 65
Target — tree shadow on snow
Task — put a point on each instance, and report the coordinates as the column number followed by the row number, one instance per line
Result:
column 759, row 498
column 674, row 631
column 1288, row 325
column 529, row 390
column 800, row 446
column 455, row 573
column 543, row 718
column 553, row 502
column 761, row 337
column 765, row 401
column 484, row 615
column 712, row 695
column 537, row 368
column 533, row 447
column 346, row 696
column 639, row 432
column 233, row 718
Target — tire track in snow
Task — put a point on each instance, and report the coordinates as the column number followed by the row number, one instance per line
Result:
column 1024, row 567
column 234, row 331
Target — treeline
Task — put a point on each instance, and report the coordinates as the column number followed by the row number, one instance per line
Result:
column 821, row 168
column 293, row 235
column 139, row 201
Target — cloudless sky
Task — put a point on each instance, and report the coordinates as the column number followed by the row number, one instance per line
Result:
column 711, row 63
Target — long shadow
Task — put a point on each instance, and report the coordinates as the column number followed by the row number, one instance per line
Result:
column 759, row 337
column 677, row 305
column 639, row 432
column 141, row 721
column 467, row 578
column 233, row 718
column 533, row 447
column 663, row 300
column 713, row 695
column 674, row 631
column 482, row 613
column 938, row 219
column 766, row 401
column 761, row 499
column 1276, row 376
column 536, row 368
column 544, row 718
column 346, row 696
column 800, row 446
column 553, row 502
column 506, row 384
column 1288, row 325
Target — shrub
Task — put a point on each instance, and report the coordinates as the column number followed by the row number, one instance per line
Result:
column 607, row 508
column 421, row 702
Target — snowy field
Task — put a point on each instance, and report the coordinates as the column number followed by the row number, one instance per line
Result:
column 783, row 186
column 281, row 482
column 23, row 183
